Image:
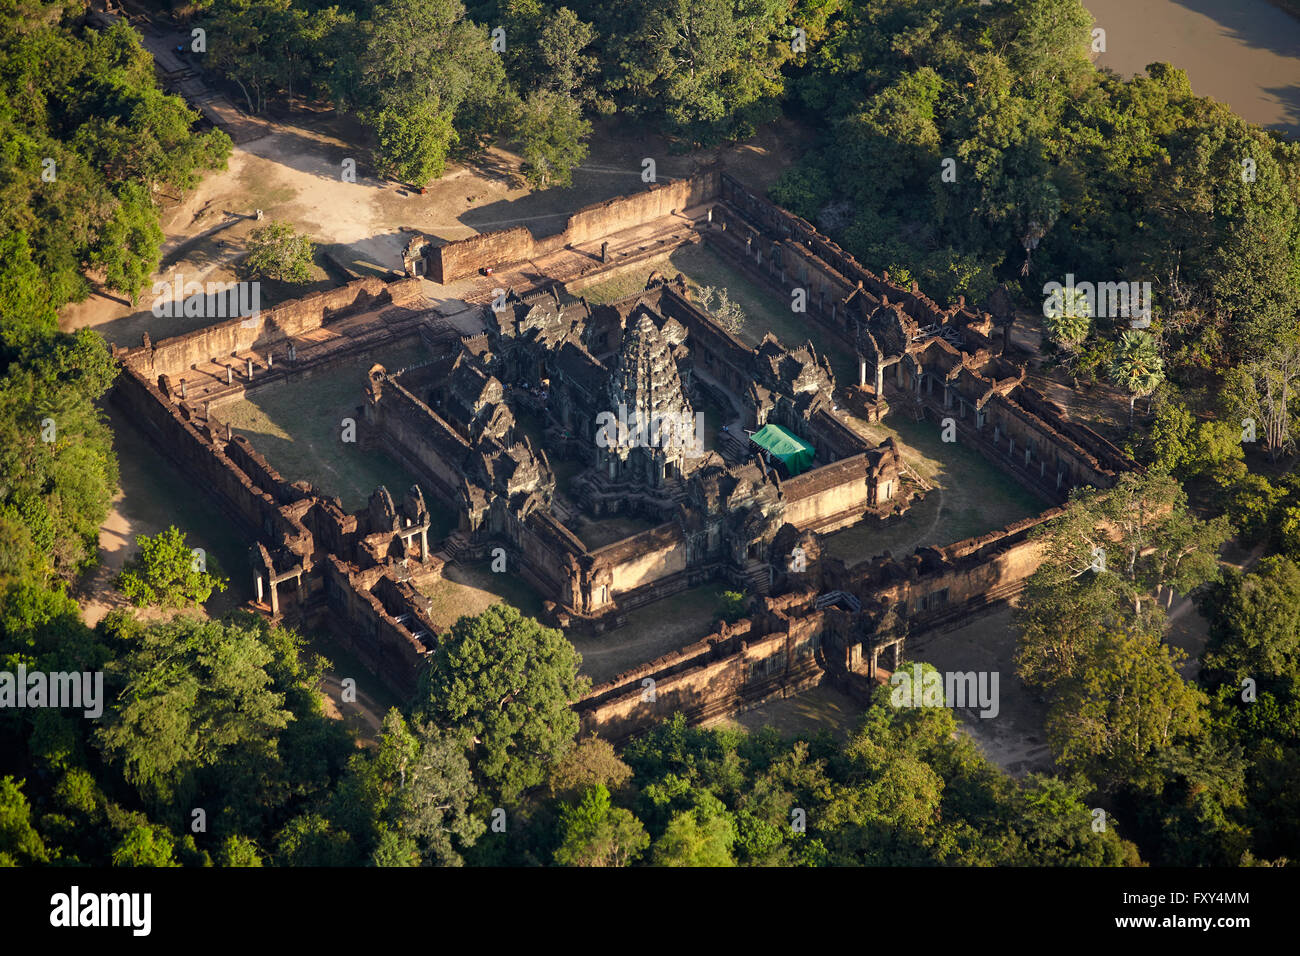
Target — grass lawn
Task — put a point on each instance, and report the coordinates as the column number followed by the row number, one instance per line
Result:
column 156, row 495
column 971, row 496
column 765, row 310
column 298, row 427
column 821, row 708
column 470, row 588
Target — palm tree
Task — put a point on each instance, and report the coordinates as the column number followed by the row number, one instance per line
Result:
column 1137, row 366
column 1068, row 321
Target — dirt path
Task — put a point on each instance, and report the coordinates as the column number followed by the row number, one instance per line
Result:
column 295, row 174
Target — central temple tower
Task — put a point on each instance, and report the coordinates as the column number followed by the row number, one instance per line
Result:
column 648, row 431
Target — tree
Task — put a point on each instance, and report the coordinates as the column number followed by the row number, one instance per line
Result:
column 565, row 69
column 592, row 832
column 593, row 762
column 508, row 682
column 552, row 137
column 717, row 302
column 701, row 836
column 239, row 851
column 1262, row 391
column 192, row 695
column 58, row 490
column 20, row 844
column 275, row 251
column 1137, row 542
column 1056, row 827
column 709, row 67
column 146, row 845
column 732, row 606
column 431, row 805
column 310, row 840
column 168, row 573
column 428, row 78
column 1126, row 704
column 1137, row 367
column 1067, row 320
column 131, row 242
column 414, row 139
column 1255, row 624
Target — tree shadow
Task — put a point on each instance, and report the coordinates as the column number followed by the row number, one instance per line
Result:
column 1254, row 22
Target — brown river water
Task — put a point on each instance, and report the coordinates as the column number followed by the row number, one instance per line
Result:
column 1245, row 53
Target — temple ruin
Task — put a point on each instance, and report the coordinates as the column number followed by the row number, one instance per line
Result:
column 561, row 414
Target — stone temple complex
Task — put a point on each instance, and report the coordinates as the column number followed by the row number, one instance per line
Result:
column 601, row 451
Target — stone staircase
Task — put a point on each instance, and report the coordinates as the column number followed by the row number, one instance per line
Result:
column 757, row 579
column 843, row 598
column 454, row 546
column 733, row 449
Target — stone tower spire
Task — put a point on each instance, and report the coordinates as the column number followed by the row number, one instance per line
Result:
column 645, row 394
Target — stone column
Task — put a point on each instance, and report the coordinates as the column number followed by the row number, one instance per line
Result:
column 880, row 381
column 257, row 583
column 250, row 369
column 230, row 375
column 862, row 372
column 424, row 544
column 275, row 598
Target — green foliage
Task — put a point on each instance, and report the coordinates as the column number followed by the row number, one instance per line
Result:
column 701, row 836
column 167, row 572
column 732, row 606
column 88, row 100
column 194, row 701
column 146, row 845
column 552, row 136
column 1137, row 366
column 1180, row 445
column 1255, row 625
column 309, row 840
column 594, row 833
column 58, row 472
column 1126, row 704
column 1068, row 322
column 1109, row 563
column 238, row 851
column 275, row 251
column 507, row 681
column 20, row 844
column 407, row 803
column 427, row 78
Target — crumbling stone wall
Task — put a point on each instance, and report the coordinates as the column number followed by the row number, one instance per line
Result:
column 272, row 326
column 462, row 258
column 734, row 668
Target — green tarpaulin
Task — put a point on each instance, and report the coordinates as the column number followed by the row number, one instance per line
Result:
column 795, row 453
